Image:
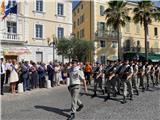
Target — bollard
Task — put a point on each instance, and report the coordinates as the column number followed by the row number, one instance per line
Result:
column 48, row 83
column 20, row 88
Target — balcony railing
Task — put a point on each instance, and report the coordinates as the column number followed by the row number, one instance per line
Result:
column 12, row 37
column 110, row 35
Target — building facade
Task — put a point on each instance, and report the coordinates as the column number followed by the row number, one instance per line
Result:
column 30, row 33
column 89, row 23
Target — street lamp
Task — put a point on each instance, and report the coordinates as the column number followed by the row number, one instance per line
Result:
column 53, row 42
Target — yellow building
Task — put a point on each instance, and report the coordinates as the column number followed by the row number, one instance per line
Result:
column 89, row 23
column 33, row 28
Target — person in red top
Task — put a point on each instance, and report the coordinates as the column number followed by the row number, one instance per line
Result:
column 88, row 72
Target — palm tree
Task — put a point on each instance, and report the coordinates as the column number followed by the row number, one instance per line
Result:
column 117, row 17
column 143, row 14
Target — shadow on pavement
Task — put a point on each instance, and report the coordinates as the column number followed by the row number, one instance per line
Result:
column 53, row 109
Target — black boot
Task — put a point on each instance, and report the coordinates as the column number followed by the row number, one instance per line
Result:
column 131, row 97
column 94, row 95
column 137, row 93
column 103, row 92
column 80, row 107
column 124, row 100
column 71, row 117
column 108, row 97
column 143, row 89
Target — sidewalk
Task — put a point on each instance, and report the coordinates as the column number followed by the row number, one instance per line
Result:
column 8, row 96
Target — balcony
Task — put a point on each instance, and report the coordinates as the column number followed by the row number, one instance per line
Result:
column 11, row 38
column 109, row 35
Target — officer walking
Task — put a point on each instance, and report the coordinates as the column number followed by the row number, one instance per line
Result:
column 76, row 75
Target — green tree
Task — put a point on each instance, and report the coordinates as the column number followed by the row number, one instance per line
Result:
column 74, row 48
column 81, row 49
column 144, row 14
column 117, row 17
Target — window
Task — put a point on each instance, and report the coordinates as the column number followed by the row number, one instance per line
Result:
column 114, row 45
column 128, row 45
column 101, row 26
column 82, row 33
column 74, row 24
column 60, row 9
column 82, row 6
column 39, row 31
column 155, row 31
column 39, row 56
column 39, row 5
column 74, row 13
column 78, row 10
column 60, row 32
column 102, row 10
column 78, row 21
column 138, row 43
column 128, row 27
column 11, row 27
column 81, row 19
column 137, row 28
column 103, row 59
column 11, row 3
column 102, row 43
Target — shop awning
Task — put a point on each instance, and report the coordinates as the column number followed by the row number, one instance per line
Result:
column 152, row 57
column 141, row 56
column 16, row 51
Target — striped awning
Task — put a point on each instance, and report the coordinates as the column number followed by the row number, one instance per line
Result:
column 16, row 51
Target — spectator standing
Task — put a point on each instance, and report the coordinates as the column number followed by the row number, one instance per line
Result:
column 34, row 75
column 57, row 74
column 8, row 64
column 88, row 71
column 50, row 70
column 42, row 73
column 13, row 76
column 2, row 74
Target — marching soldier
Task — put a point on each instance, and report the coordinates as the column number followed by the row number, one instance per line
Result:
column 152, row 74
column 134, row 76
column 157, row 74
column 140, row 75
column 110, row 79
column 117, row 76
column 98, row 79
column 75, row 75
column 126, row 75
column 147, row 73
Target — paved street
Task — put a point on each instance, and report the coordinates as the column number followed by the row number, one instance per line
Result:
column 54, row 104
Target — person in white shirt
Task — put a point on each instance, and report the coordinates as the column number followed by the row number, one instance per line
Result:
column 3, row 71
column 8, row 64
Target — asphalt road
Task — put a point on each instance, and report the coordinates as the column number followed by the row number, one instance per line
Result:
column 54, row 104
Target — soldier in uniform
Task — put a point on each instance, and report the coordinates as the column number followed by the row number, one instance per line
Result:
column 126, row 75
column 147, row 73
column 140, row 75
column 157, row 74
column 98, row 79
column 134, row 76
column 110, row 79
column 152, row 74
column 76, row 75
column 117, row 76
